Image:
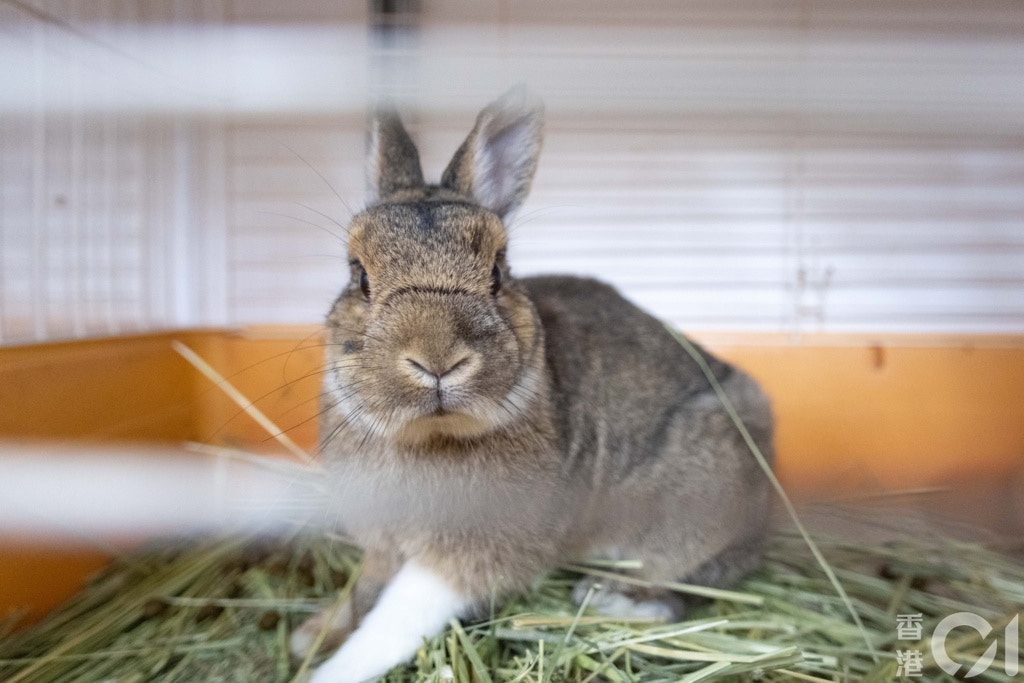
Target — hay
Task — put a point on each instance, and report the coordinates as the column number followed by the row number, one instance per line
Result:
column 222, row 610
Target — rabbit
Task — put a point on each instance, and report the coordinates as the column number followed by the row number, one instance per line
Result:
column 479, row 430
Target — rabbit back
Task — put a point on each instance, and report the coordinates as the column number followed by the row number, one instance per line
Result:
column 652, row 462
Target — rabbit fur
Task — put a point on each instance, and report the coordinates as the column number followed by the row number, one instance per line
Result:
column 480, row 429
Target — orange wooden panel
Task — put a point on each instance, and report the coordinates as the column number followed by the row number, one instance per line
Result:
column 855, row 415
column 860, row 416
column 100, row 389
column 38, row 577
column 126, row 388
column 852, row 412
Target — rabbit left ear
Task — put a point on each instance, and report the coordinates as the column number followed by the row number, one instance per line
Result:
column 496, row 163
column 392, row 162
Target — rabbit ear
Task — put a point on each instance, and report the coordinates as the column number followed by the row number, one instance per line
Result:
column 392, row 163
column 496, row 163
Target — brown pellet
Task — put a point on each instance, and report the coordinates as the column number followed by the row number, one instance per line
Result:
column 277, row 566
column 154, row 607
column 208, row 612
column 269, row 620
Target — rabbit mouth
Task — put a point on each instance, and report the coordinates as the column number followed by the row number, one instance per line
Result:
column 446, row 406
column 442, row 422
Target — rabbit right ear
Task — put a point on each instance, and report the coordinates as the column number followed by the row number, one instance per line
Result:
column 392, row 163
column 496, row 163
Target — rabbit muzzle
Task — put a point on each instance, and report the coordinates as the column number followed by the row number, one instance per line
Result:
column 449, row 358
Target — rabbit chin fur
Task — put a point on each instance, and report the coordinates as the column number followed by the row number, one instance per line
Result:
column 478, row 429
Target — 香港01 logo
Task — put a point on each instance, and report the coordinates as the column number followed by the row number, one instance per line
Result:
column 910, row 662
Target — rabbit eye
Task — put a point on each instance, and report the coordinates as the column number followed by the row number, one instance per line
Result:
column 364, row 279
column 495, row 279
column 364, row 283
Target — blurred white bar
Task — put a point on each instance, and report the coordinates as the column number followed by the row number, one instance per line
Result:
column 49, row 491
column 888, row 80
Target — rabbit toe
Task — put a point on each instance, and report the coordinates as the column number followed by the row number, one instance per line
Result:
column 615, row 602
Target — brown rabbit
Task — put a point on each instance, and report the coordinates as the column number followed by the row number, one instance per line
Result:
column 479, row 429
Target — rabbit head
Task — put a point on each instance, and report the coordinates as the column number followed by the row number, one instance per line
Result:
column 432, row 337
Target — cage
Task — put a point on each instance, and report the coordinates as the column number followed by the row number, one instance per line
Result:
column 829, row 194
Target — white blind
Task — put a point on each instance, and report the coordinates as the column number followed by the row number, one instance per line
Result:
column 106, row 187
column 786, row 166
column 797, row 166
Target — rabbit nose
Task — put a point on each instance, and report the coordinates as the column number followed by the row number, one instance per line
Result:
column 430, row 371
